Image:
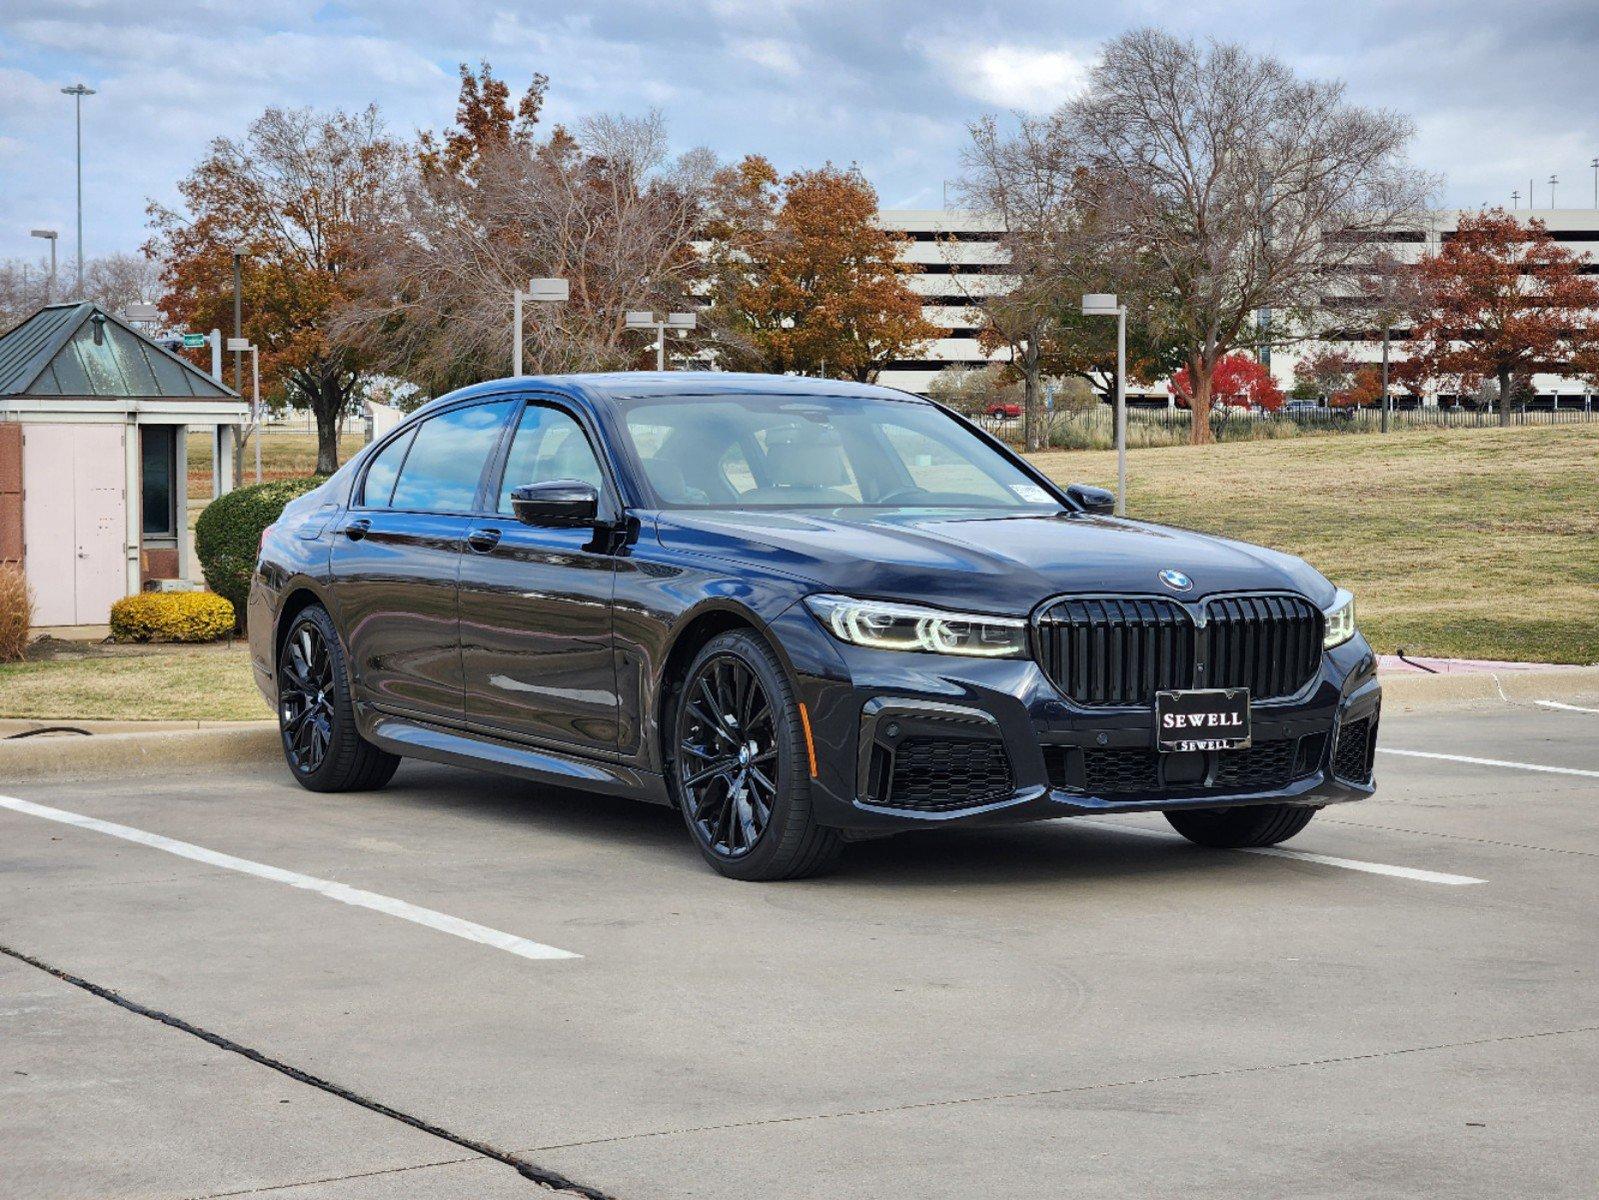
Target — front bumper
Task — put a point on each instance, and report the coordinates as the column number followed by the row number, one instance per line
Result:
column 908, row 740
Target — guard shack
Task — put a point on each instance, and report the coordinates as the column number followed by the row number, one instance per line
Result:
column 94, row 424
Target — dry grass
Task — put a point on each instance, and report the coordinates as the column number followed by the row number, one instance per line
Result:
column 202, row 683
column 1480, row 543
column 16, row 612
column 284, row 455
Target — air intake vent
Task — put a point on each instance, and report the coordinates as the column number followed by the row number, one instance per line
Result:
column 1118, row 650
column 943, row 774
column 1268, row 644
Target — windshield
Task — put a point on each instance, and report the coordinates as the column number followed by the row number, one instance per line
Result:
column 819, row 452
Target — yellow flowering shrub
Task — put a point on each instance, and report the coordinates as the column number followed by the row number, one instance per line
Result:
column 171, row 617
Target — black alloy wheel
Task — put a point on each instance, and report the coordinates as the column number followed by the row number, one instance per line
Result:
column 321, row 742
column 727, row 763
column 305, row 697
column 740, row 766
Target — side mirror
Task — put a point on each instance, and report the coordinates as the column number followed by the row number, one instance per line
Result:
column 1093, row 499
column 560, row 503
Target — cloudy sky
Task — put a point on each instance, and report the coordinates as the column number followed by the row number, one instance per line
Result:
column 1500, row 92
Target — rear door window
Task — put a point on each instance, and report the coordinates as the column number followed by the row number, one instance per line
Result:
column 445, row 466
column 385, row 468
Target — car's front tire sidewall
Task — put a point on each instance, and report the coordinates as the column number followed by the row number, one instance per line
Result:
column 792, row 845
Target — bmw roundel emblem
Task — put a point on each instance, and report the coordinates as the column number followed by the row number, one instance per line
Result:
column 1176, row 580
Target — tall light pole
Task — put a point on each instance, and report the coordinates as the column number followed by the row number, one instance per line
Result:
column 1103, row 304
column 49, row 235
column 239, row 345
column 1515, row 199
column 539, row 291
column 1553, row 179
column 238, row 320
column 77, row 91
column 1595, row 165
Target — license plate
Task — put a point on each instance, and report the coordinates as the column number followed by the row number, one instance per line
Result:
column 1211, row 719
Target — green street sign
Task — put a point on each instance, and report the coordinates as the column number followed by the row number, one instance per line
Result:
column 193, row 341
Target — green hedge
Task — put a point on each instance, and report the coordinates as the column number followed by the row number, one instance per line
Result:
column 227, row 537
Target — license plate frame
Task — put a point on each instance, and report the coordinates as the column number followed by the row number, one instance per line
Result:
column 1223, row 720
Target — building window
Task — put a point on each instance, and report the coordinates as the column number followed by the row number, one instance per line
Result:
column 158, row 464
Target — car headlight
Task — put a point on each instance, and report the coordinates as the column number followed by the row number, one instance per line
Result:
column 884, row 626
column 1340, row 615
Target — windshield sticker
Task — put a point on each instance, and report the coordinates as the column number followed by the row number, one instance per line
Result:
column 1031, row 493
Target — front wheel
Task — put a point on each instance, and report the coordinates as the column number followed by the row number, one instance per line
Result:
column 740, row 766
column 316, row 718
column 1241, row 828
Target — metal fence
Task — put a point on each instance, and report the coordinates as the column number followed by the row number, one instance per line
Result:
column 1094, row 429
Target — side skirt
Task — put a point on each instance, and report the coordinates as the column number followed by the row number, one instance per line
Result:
column 416, row 739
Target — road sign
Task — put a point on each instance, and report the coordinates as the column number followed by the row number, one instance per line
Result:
column 193, row 341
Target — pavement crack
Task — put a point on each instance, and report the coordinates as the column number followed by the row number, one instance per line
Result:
column 528, row 1170
column 1073, row 1089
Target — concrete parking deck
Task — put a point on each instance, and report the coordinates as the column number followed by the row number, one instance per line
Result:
column 1073, row 1008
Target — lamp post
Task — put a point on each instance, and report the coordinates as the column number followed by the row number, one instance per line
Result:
column 539, row 291
column 680, row 321
column 49, row 235
column 1553, row 179
column 77, row 91
column 1104, row 304
column 240, row 346
column 1595, row 165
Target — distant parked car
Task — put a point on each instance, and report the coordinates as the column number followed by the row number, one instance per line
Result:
column 1308, row 408
column 1005, row 410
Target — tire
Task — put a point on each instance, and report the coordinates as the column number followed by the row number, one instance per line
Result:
column 324, row 750
column 1241, row 828
column 788, row 844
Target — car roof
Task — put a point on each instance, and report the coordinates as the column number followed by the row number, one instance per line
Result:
column 638, row 385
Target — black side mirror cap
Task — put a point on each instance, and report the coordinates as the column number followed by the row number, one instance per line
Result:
column 560, row 503
column 1093, row 499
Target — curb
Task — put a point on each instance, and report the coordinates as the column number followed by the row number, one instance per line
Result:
column 1420, row 693
column 49, row 758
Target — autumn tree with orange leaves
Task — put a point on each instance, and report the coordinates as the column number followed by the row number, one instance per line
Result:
column 804, row 279
column 294, row 195
column 1500, row 300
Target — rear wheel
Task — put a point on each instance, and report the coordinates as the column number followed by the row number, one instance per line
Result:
column 1240, row 828
column 739, row 766
column 321, row 743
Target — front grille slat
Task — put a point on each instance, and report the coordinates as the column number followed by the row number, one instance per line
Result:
column 1104, row 651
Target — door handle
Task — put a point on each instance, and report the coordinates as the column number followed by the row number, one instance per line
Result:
column 483, row 540
column 356, row 529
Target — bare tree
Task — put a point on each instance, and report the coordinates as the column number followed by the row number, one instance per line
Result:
column 113, row 282
column 1252, row 190
column 607, row 209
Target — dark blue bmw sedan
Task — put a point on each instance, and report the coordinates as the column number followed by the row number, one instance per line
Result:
column 800, row 612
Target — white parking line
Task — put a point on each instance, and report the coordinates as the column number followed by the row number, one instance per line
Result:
column 1565, row 707
column 343, row 893
column 1371, row 868
column 1490, row 762
column 1325, row 860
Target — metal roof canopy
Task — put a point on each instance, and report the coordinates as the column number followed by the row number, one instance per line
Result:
column 80, row 350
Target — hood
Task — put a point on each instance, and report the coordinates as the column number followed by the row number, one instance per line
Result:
column 977, row 560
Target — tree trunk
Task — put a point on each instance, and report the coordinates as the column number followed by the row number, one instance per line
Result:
column 326, row 398
column 1031, row 424
column 1199, row 426
column 1504, row 397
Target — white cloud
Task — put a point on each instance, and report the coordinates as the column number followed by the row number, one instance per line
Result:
column 1011, row 76
column 769, row 53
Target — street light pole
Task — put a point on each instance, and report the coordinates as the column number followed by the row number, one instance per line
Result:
column 238, row 317
column 1553, row 179
column 1101, row 304
column 1595, row 165
column 77, row 91
column 542, row 291
column 50, row 236
column 680, row 321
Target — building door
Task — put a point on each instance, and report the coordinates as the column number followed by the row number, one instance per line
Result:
column 75, row 525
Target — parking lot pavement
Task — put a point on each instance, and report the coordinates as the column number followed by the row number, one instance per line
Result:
column 1065, row 1008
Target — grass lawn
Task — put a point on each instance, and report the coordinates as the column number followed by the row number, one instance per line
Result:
column 149, row 683
column 1472, row 543
column 285, row 454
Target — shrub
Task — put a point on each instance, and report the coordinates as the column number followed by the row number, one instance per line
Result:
column 16, row 612
column 171, row 617
column 227, row 537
